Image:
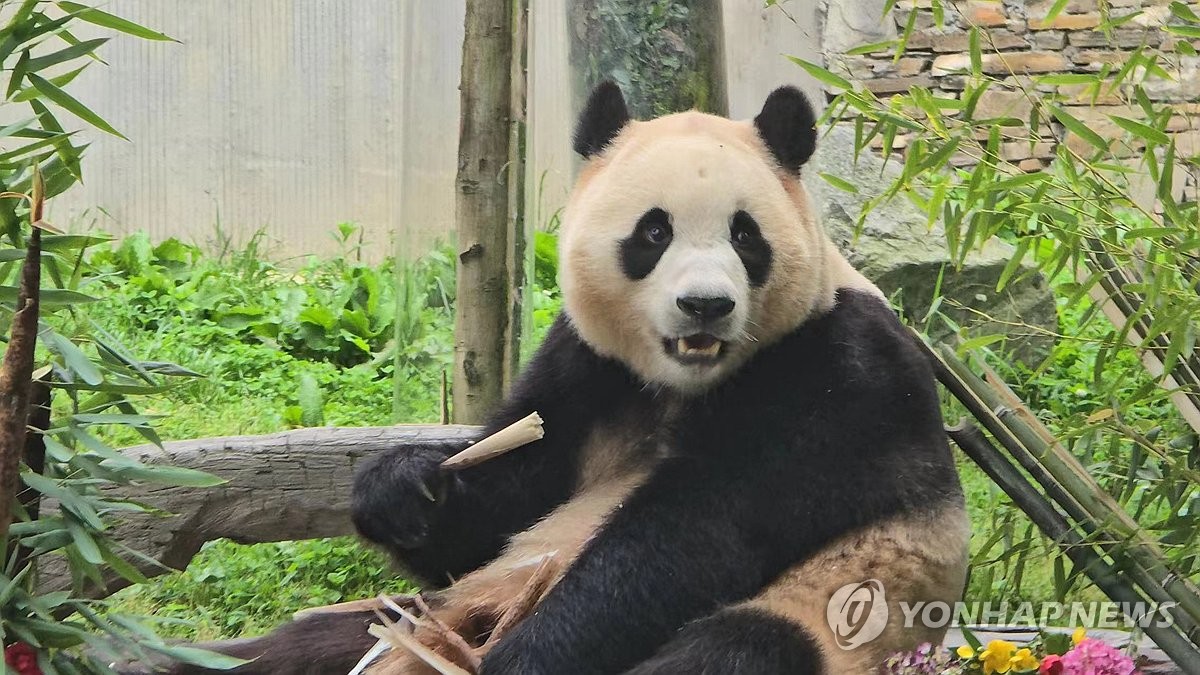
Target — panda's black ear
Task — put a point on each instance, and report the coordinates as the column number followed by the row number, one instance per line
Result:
column 787, row 124
column 602, row 119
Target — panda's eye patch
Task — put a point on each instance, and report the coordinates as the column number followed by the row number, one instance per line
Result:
column 643, row 247
column 744, row 231
column 750, row 246
column 655, row 227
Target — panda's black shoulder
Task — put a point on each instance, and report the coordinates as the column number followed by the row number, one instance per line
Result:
column 867, row 335
column 854, row 363
column 860, row 342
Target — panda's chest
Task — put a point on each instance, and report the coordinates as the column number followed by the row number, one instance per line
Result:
column 626, row 447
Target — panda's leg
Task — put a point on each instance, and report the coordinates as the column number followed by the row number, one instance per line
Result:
column 737, row 641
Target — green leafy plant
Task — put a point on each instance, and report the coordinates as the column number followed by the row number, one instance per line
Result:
column 70, row 380
column 1122, row 264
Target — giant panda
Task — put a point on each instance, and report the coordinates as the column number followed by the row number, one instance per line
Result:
column 737, row 428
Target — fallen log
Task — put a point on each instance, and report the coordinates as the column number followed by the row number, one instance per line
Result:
column 281, row 487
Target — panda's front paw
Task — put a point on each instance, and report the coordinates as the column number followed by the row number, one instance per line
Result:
column 396, row 495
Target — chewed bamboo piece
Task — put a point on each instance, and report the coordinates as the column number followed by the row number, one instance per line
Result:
column 347, row 607
column 521, row 432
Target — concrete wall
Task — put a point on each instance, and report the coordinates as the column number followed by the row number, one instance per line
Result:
column 294, row 115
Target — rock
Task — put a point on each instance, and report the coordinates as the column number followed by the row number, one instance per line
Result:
column 960, row 42
column 1066, row 22
column 1123, row 38
column 897, row 251
column 896, row 85
column 983, row 14
column 1039, row 10
column 846, row 25
column 996, row 103
column 1018, row 63
column 1050, row 40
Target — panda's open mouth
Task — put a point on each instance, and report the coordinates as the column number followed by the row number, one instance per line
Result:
column 699, row 348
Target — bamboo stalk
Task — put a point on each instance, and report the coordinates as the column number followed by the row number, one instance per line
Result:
column 968, row 391
column 1103, row 510
column 972, row 442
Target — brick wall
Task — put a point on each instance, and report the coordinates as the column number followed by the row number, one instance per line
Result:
column 1018, row 41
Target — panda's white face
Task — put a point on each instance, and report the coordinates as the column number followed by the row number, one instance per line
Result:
column 685, row 248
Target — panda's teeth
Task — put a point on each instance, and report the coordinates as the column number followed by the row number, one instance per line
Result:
column 712, row 349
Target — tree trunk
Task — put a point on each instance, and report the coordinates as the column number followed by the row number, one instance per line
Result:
column 667, row 55
column 483, row 306
column 281, row 487
column 519, row 260
column 16, row 370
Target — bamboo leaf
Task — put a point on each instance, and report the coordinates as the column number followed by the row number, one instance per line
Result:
column 72, row 52
column 1184, row 12
column 49, row 296
column 872, row 47
column 69, row 103
column 1078, row 128
column 975, row 52
column 87, row 547
column 1143, row 131
column 1185, row 31
column 1055, row 9
column 822, row 75
column 29, row 94
column 75, row 359
column 106, row 20
column 979, row 342
column 839, row 183
column 19, row 71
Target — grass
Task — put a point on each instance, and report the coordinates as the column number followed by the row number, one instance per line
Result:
column 312, row 344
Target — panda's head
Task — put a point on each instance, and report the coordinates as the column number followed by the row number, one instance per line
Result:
column 689, row 241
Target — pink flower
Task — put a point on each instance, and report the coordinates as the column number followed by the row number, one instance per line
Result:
column 21, row 658
column 1051, row 665
column 1093, row 657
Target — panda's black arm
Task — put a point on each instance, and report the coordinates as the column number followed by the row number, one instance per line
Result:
column 475, row 510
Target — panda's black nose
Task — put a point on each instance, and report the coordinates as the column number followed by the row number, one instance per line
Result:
column 705, row 308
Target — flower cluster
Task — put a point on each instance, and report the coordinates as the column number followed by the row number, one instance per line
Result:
column 1045, row 656
column 21, row 659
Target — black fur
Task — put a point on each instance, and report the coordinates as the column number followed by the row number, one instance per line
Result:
column 603, row 117
column 767, row 469
column 787, row 124
column 736, row 642
column 639, row 253
column 754, row 251
column 479, row 508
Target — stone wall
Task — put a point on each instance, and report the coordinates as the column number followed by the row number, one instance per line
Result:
column 1018, row 41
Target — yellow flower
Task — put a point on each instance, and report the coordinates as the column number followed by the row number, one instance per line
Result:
column 997, row 658
column 965, row 652
column 1078, row 636
column 1024, row 660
